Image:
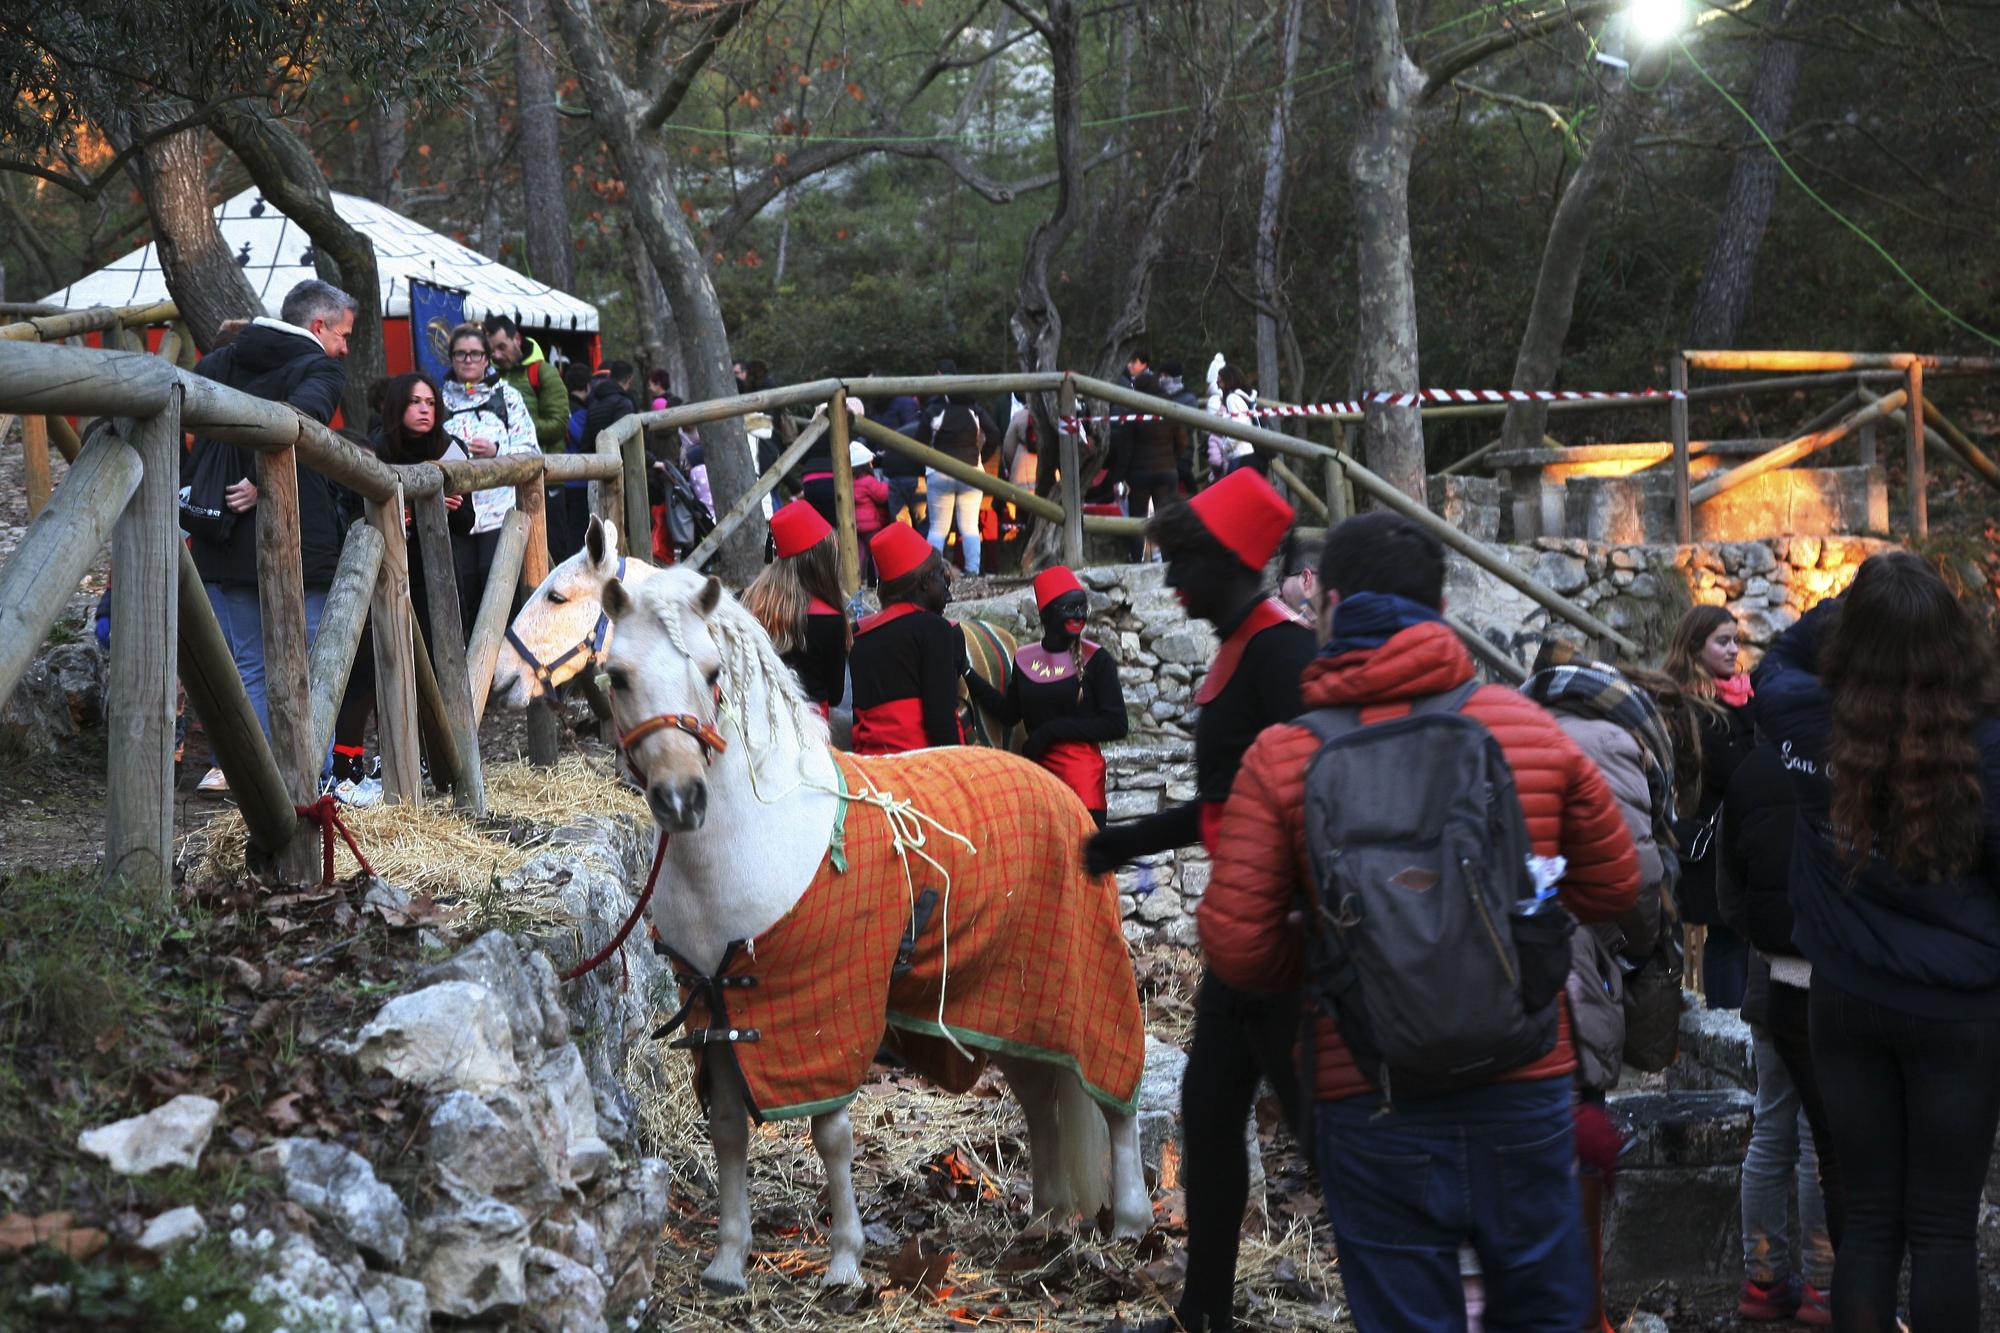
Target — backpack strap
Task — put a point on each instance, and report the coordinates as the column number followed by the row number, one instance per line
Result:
column 1330, row 724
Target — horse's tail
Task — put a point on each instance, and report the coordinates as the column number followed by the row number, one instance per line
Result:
column 1085, row 1145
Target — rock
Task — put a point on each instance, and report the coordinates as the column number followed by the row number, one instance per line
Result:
column 340, row 1187
column 1804, row 552
column 1757, row 558
column 1131, row 804
column 395, row 1304
column 451, row 1035
column 172, row 1135
column 1564, row 573
column 494, row 1146
column 563, row 1076
column 1644, row 585
column 60, row 695
column 1160, row 1098
column 171, row 1230
column 470, row 1258
column 563, row 1295
column 629, row 1218
column 1188, row 644
column 1644, row 1321
column 494, row 961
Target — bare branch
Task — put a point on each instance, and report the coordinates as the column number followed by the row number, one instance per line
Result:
column 1035, row 21
column 1455, row 61
column 89, row 189
column 1518, row 103
column 681, row 79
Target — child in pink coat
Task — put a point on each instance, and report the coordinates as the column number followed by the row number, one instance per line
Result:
column 871, row 504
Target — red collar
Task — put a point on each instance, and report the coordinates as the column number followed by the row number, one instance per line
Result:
column 885, row 615
column 1262, row 616
column 815, row 607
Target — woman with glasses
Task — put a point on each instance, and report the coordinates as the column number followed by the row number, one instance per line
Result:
column 485, row 418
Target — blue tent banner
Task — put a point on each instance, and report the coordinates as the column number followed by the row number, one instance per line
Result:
column 434, row 313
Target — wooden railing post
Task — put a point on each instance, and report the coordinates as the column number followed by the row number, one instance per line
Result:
column 544, row 737
column 281, row 599
column 145, row 626
column 448, row 649
column 843, row 495
column 1069, row 451
column 638, row 510
column 35, row 457
column 1920, row 509
column 1677, row 414
column 395, row 663
column 215, row 692
column 340, row 626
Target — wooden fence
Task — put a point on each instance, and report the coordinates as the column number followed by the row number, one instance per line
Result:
column 132, row 410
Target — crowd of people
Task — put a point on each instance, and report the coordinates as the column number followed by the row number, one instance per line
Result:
column 1444, row 919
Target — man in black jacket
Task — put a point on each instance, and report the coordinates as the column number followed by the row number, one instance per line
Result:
column 293, row 359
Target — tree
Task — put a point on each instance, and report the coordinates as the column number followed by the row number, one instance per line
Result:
column 207, row 285
column 1270, row 292
column 544, row 200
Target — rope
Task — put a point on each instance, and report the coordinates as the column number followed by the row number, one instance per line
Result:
column 652, row 877
column 325, row 812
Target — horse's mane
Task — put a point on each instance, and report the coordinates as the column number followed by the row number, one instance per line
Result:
column 747, row 652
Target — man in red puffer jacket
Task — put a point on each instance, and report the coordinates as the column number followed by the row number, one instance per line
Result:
column 1407, row 1183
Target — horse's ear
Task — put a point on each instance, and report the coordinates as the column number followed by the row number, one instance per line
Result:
column 600, row 541
column 615, row 599
column 711, row 595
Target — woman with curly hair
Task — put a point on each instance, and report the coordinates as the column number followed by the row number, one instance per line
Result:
column 797, row 600
column 1702, row 659
column 1882, row 706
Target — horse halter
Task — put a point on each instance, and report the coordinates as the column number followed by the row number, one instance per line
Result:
column 705, row 734
column 592, row 644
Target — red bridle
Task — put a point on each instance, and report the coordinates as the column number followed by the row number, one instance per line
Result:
column 712, row 743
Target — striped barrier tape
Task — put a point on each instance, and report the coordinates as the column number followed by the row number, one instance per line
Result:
column 1449, row 397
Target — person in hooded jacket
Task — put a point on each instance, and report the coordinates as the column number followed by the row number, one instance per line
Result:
column 907, row 659
column 1216, row 547
column 1882, row 705
column 1753, row 880
column 1064, row 689
column 485, row 418
column 295, row 359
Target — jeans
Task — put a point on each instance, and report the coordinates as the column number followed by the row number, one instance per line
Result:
column 903, row 495
column 1495, row 1165
column 1791, row 1037
column 1725, row 967
column 1239, row 1039
column 242, row 619
column 952, row 501
column 1781, row 1152
column 1150, row 492
column 1913, row 1103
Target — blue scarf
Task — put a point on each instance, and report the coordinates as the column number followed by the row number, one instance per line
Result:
column 1371, row 619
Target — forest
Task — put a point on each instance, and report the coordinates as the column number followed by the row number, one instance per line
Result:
column 1338, row 196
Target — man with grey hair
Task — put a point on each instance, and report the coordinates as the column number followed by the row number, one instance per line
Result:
column 293, row 359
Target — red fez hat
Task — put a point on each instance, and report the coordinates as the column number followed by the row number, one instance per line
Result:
column 798, row 527
column 898, row 549
column 1243, row 513
column 1052, row 583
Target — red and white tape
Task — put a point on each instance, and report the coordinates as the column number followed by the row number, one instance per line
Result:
column 1416, row 398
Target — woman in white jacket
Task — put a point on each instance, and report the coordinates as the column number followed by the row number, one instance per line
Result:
column 485, row 417
column 1230, row 395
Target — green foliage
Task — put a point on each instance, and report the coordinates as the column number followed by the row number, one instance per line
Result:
column 211, row 1285
column 73, row 957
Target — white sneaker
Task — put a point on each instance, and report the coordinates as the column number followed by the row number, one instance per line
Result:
column 359, row 794
column 213, row 783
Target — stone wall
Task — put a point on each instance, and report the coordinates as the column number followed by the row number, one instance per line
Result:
column 1641, row 591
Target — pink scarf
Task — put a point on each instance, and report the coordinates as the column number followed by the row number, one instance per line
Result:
column 1734, row 690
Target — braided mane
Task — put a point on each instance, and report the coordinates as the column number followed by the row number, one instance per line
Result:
column 748, row 655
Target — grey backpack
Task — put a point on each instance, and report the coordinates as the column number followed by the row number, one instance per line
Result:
column 1429, row 947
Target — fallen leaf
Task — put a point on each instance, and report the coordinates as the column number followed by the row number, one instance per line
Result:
column 106, row 1040
column 283, row 1113
column 267, row 1014
column 918, row 1268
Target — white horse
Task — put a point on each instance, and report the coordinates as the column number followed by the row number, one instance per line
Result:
column 738, row 773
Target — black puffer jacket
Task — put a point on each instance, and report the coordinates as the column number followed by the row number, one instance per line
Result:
column 275, row 362
column 1752, row 880
column 607, row 403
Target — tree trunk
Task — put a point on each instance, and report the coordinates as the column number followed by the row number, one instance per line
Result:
column 1387, row 86
column 1568, row 246
column 1726, row 283
column 388, row 139
column 283, row 166
column 544, row 202
column 1269, row 381
column 202, row 275
column 659, row 343
column 683, row 269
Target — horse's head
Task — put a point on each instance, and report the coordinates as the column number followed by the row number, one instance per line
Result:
column 562, row 629
column 666, row 668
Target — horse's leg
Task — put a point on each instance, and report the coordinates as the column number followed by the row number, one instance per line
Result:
column 833, row 1135
column 729, row 1130
column 1034, row 1086
column 1131, row 1205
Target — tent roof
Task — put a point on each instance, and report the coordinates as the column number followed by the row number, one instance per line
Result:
column 273, row 252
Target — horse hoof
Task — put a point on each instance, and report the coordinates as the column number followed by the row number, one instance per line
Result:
column 842, row 1273
column 724, row 1285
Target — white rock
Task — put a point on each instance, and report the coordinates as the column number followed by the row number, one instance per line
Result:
column 563, row 1295
column 340, row 1187
column 567, row 1083
column 494, row 1146
column 470, row 1258
column 395, row 1304
column 1160, row 1097
column 171, row 1230
column 1189, row 644
column 629, row 1218
column 171, row 1135
column 454, row 1035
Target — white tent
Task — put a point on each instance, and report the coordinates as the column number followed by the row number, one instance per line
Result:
column 275, row 254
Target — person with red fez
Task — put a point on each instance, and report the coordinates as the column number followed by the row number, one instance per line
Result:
column 797, row 600
column 907, row 658
column 1064, row 690
column 1216, row 546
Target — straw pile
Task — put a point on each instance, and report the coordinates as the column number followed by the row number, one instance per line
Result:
column 438, row 850
column 955, row 1171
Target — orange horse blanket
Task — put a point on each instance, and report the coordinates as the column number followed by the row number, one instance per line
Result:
column 1024, row 946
